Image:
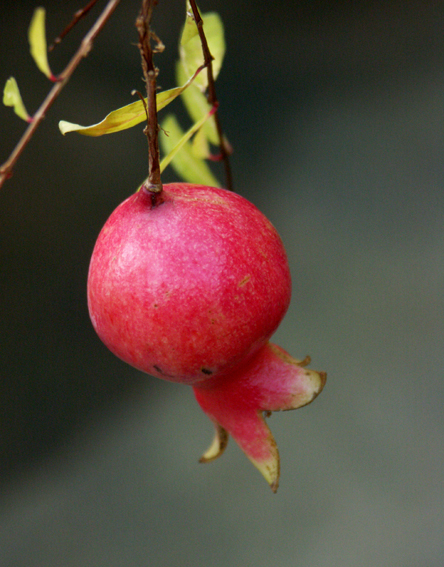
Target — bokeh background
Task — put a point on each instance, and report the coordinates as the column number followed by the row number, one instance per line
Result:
column 335, row 110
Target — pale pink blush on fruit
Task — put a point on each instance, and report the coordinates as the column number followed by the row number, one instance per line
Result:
column 190, row 290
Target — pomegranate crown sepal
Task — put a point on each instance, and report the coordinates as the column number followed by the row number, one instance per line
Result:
column 238, row 404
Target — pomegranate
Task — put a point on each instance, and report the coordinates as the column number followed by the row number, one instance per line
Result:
column 188, row 285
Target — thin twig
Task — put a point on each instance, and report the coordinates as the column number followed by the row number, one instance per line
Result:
column 77, row 17
column 211, row 93
column 84, row 49
column 153, row 183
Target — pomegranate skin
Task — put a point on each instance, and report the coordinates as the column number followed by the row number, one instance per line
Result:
column 190, row 288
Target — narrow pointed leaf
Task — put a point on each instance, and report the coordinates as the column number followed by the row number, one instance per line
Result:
column 186, row 165
column 172, row 122
column 125, row 117
column 191, row 50
column 12, row 97
column 37, row 42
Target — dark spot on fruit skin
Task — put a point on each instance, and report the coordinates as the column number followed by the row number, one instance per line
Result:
column 206, row 371
column 161, row 372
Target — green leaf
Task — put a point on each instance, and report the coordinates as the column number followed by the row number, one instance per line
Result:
column 190, row 48
column 125, row 117
column 37, row 42
column 189, row 28
column 186, row 164
column 197, row 105
column 200, row 146
column 12, row 97
column 197, row 127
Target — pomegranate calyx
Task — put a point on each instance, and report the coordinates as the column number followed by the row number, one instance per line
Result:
column 271, row 381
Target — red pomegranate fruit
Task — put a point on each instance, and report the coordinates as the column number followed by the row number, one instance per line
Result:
column 189, row 285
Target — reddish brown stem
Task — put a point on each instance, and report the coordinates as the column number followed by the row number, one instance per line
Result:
column 211, row 93
column 153, row 183
column 84, row 49
column 77, row 17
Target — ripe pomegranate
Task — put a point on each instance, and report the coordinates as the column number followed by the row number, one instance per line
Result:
column 188, row 285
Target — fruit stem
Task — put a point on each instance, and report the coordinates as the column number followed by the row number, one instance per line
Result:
column 153, row 184
column 211, row 94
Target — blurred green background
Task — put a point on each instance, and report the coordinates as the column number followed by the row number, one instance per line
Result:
column 335, row 111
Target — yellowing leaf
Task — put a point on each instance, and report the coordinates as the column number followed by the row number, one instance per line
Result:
column 120, row 119
column 12, row 97
column 191, row 49
column 186, row 164
column 125, row 117
column 37, row 42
